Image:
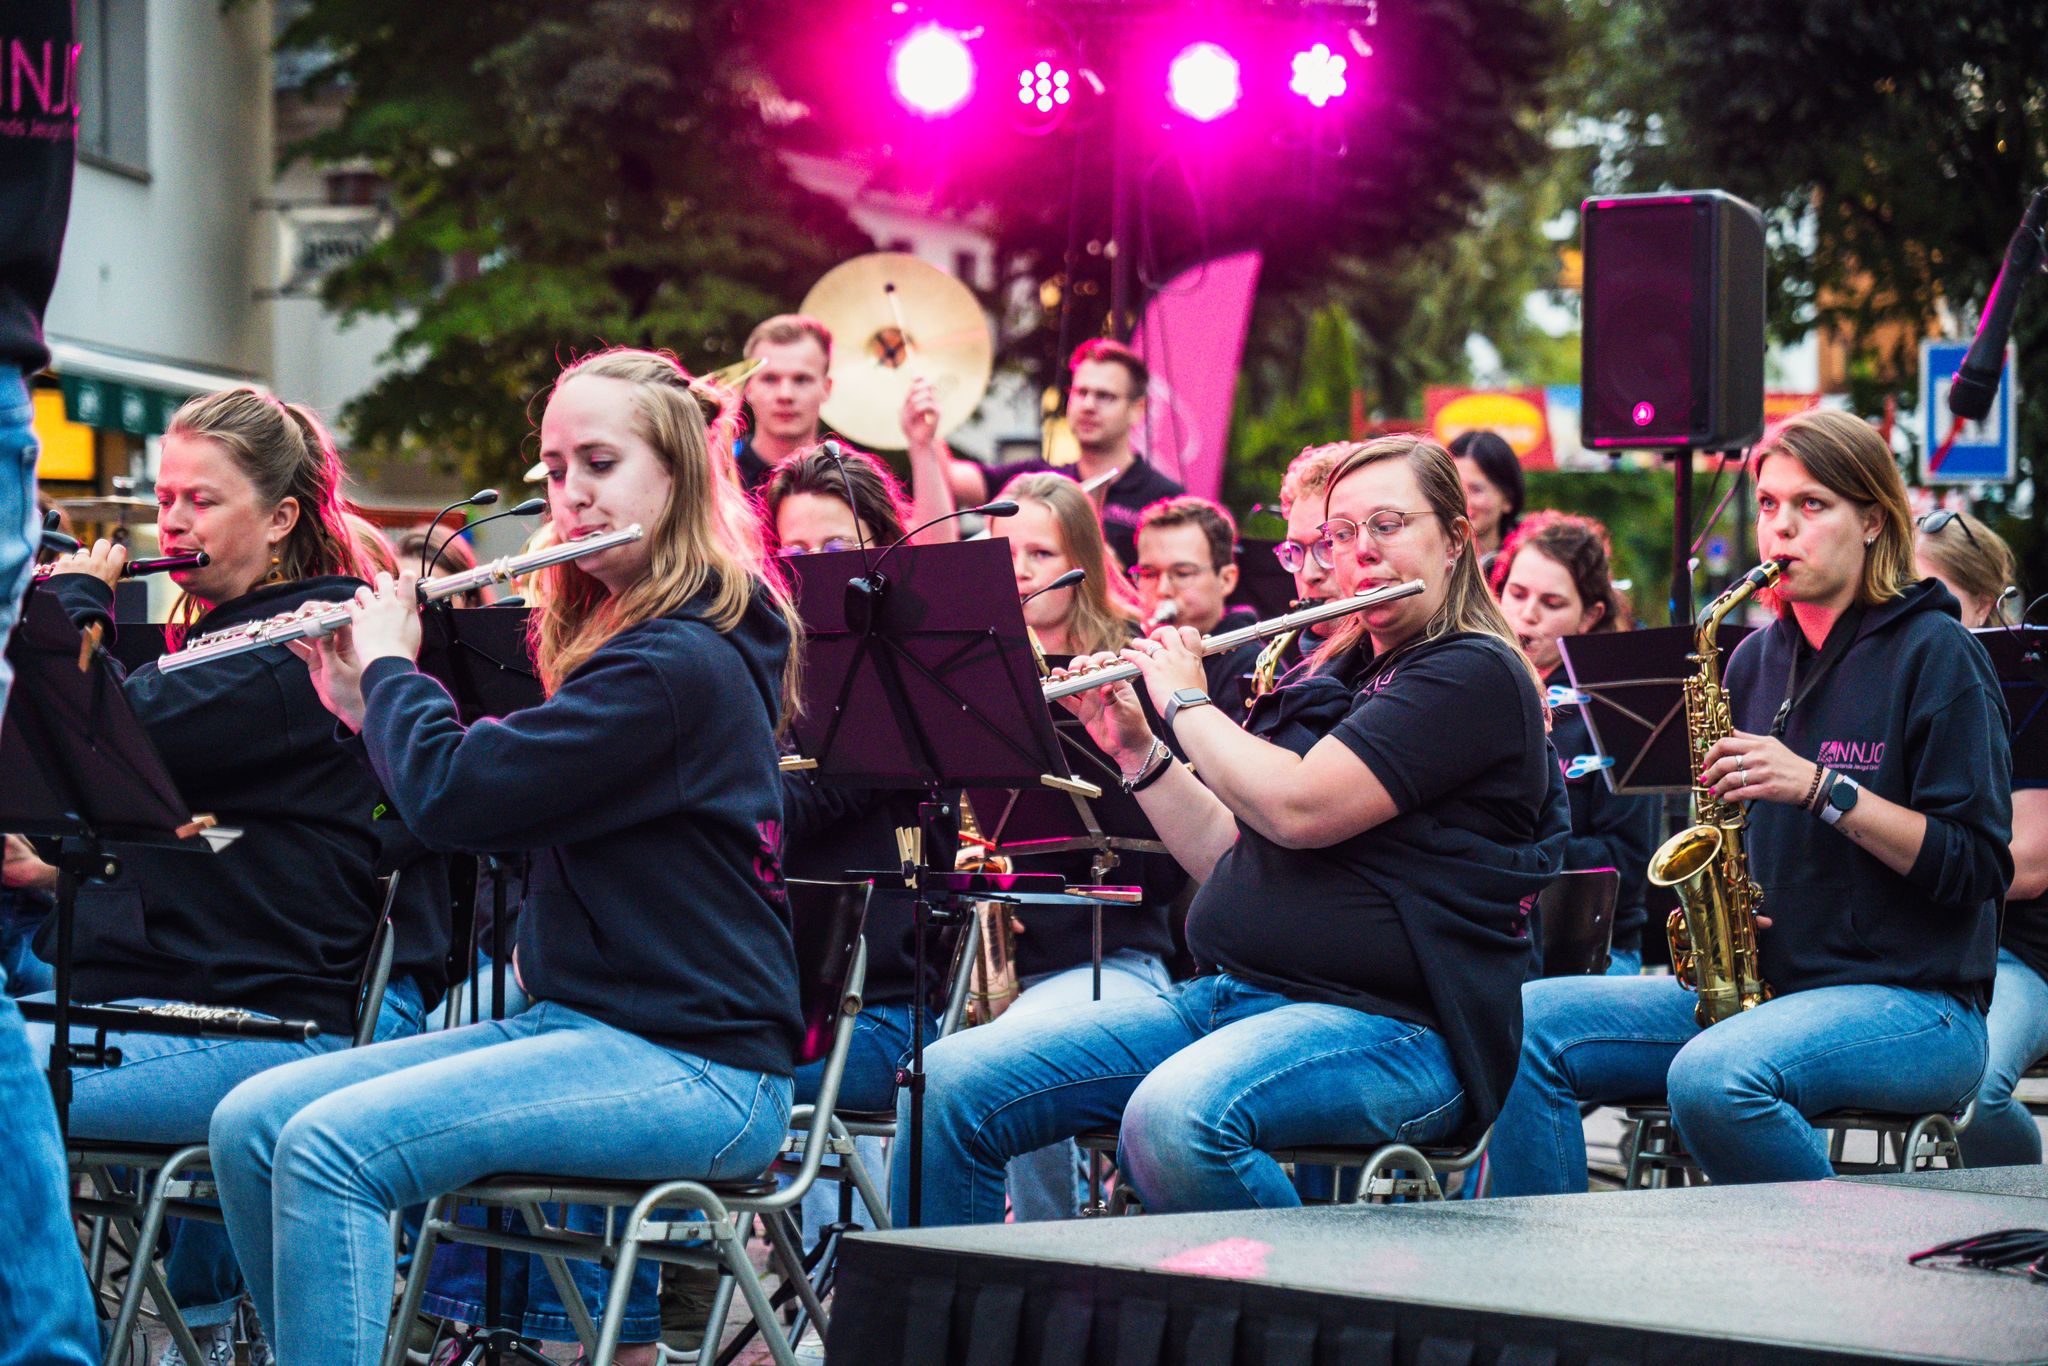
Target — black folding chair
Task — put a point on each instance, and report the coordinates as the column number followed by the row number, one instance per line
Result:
column 1575, row 923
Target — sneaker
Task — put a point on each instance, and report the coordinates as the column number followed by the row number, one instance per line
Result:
column 809, row 1350
column 216, row 1347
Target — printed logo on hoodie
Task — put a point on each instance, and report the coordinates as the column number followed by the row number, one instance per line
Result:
column 38, row 89
column 1857, row 756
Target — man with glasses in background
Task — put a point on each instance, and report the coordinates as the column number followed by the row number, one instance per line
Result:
column 1186, row 571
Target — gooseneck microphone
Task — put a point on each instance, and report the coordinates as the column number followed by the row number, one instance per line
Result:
column 1066, row 580
column 526, row 509
column 482, row 498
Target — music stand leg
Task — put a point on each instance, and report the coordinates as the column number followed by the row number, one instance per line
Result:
column 79, row 859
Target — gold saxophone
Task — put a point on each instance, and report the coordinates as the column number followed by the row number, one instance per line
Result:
column 1713, row 931
column 992, row 980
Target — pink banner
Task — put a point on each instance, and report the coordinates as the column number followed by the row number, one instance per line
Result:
column 1192, row 339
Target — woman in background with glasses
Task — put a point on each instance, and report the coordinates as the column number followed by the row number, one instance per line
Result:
column 1366, row 847
column 1974, row 563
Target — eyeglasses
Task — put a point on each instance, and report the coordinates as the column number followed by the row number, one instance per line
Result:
column 1934, row 521
column 1147, row 575
column 1293, row 555
column 1340, row 532
column 831, row 543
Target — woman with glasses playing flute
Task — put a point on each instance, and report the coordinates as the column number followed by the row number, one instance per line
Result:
column 654, row 938
column 1366, row 849
column 280, row 921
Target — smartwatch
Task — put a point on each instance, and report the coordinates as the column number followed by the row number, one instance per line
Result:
column 1182, row 699
column 1841, row 799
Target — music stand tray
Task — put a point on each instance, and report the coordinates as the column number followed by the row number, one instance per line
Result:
column 1631, row 684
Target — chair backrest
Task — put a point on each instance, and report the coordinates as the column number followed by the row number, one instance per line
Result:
column 1575, row 923
column 377, row 967
column 826, row 918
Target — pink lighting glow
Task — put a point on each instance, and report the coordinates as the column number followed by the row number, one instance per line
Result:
column 1318, row 75
column 932, row 71
column 1203, row 82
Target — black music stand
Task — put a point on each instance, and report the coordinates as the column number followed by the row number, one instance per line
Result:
column 82, row 771
column 2020, row 655
column 923, row 678
column 479, row 654
column 1631, row 684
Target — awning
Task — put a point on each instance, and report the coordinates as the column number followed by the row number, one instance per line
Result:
column 117, row 391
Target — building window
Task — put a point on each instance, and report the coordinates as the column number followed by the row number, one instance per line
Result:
column 113, row 84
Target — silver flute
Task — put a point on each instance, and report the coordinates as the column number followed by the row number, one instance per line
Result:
column 312, row 620
column 1057, row 688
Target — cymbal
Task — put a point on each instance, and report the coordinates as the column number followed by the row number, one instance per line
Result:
column 733, row 377
column 113, row 508
column 893, row 319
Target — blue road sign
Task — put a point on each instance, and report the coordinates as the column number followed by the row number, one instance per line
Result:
column 1982, row 452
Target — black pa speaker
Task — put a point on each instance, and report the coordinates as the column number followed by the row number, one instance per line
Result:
column 1672, row 344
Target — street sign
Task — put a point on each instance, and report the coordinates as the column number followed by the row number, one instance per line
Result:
column 1983, row 452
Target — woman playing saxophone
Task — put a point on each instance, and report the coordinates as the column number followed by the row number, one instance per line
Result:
column 1869, row 744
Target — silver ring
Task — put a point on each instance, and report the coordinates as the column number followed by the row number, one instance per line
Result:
column 1741, row 776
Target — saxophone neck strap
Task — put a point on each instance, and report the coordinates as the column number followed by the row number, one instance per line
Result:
column 1832, row 649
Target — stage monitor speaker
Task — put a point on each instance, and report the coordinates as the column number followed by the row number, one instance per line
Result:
column 1672, row 343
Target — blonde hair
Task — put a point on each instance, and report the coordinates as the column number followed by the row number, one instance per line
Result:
column 1848, row 457
column 1468, row 605
column 1976, row 559
column 379, row 555
column 707, row 538
column 284, row 451
column 1105, row 612
column 1309, row 473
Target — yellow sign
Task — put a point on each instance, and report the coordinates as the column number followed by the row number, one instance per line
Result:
column 69, row 452
column 1516, row 416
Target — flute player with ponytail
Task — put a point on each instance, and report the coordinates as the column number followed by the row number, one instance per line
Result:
column 280, row 921
column 1366, row 846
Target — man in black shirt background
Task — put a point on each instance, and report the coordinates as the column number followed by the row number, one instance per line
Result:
column 785, row 395
column 1105, row 400
column 1186, row 571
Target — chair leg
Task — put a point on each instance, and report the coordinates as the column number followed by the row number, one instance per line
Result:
column 565, row 1284
column 615, row 1303
column 714, row 1324
column 415, row 1282
column 160, row 1291
column 878, row 1204
column 732, row 1248
column 143, row 1260
column 784, row 1244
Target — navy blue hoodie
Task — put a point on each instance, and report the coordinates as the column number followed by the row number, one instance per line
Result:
column 647, row 789
column 1912, row 711
column 1609, row 830
column 279, row 921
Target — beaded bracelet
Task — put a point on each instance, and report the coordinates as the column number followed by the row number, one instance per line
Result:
column 1812, row 802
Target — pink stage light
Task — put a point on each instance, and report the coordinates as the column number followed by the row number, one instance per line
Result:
column 1318, row 75
column 1203, row 82
column 932, row 71
column 1044, row 86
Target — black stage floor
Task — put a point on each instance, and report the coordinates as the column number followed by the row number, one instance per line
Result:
column 1808, row 1272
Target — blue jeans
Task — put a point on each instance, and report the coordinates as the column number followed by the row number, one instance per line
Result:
column 164, row 1091
column 1739, row 1092
column 1204, row 1076
column 26, row 973
column 1625, row 963
column 312, row 1159
column 1051, row 1182
column 2004, row 1134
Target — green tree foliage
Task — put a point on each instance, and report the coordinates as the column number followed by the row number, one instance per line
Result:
column 564, row 175
column 1892, row 144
